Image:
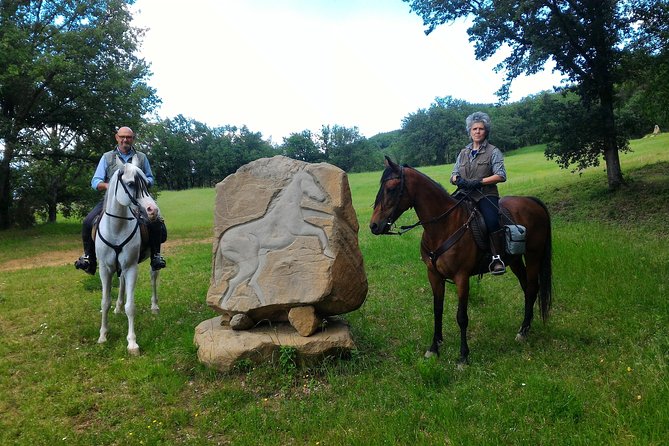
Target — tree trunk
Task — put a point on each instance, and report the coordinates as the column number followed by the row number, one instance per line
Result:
column 52, row 201
column 614, row 172
column 5, row 185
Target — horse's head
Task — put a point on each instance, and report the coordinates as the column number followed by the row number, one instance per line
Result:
column 309, row 186
column 132, row 188
column 391, row 200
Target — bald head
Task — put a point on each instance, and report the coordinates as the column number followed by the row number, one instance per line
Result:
column 124, row 139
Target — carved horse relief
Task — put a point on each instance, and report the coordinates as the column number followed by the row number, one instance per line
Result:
column 247, row 245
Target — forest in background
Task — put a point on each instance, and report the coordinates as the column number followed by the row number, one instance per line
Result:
column 70, row 73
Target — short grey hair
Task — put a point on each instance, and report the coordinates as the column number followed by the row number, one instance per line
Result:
column 478, row 117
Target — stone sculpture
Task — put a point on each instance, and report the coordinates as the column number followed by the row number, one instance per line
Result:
column 285, row 252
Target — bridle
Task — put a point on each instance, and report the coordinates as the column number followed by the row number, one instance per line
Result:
column 118, row 248
column 393, row 217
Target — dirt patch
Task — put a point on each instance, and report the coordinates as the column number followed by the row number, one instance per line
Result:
column 67, row 257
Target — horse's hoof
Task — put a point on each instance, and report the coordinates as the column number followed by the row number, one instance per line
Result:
column 133, row 351
column 117, row 311
column 521, row 337
column 155, row 310
column 461, row 366
column 102, row 339
column 430, row 354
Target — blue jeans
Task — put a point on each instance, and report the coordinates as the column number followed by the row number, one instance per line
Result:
column 489, row 207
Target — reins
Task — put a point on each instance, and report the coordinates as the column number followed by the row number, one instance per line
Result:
column 404, row 229
column 452, row 240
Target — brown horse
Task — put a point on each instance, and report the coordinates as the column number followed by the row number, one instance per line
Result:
column 449, row 247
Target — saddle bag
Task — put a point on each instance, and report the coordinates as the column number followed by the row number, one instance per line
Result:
column 515, row 239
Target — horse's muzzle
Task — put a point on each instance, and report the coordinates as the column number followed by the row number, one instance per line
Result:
column 150, row 212
column 380, row 228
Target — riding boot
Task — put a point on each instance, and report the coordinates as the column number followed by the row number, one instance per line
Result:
column 155, row 234
column 87, row 262
column 497, row 266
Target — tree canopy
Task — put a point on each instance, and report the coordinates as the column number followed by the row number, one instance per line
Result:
column 586, row 39
column 67, row 67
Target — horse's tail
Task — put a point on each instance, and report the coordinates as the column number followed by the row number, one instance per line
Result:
column 546, row 268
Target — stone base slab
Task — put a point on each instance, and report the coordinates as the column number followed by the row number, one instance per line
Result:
column 220, row 347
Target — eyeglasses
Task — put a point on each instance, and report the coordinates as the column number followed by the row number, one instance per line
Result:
column 125, row 137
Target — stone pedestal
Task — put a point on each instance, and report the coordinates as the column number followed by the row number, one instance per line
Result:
column 220, row 347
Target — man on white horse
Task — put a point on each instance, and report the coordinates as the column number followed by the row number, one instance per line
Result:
column 107, row 165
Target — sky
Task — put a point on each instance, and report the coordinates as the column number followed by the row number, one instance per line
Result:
column 284, row 66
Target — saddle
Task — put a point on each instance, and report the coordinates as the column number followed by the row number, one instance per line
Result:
column 478, row 226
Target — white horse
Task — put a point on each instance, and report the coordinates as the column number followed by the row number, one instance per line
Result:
column 118, row 245
column 248, row 243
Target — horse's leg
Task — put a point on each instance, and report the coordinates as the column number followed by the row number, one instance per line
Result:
column 438, row 289
column 247, row 264
column 306, row 229
column 529, row 281
column 130, row 282
column 154, row 291
column 253, row 282
column 105, row 280
column 462, row 284
column 118, row 309
column 322, row 238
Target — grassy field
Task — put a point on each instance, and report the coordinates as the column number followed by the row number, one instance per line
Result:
column 595, row 374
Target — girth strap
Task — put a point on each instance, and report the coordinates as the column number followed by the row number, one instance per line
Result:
column 452, row 240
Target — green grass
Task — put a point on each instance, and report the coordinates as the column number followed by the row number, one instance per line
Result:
column 595, row 374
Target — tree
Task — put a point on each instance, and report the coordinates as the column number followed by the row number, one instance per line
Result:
column 67, row 64
column 301, row 146
column 436, row 135
column 585, row 39
column 334, row 142
column 644, row 95
column 55, row 180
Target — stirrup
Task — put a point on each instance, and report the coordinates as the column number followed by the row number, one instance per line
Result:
column 497, row 266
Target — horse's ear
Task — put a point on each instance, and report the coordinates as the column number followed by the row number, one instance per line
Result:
column 389, row 163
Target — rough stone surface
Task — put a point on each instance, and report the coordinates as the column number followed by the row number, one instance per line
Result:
column 220, row 347
column 285, row 236
column 240, row 321
column 304, row 320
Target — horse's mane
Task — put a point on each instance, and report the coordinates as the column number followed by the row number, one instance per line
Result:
column 434, row 182
column 387, row 175
column 141, row 182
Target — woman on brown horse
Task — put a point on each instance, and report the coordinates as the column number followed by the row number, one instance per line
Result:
column 450, row 249
column 478, row 169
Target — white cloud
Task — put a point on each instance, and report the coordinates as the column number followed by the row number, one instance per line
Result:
column 285, row 66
